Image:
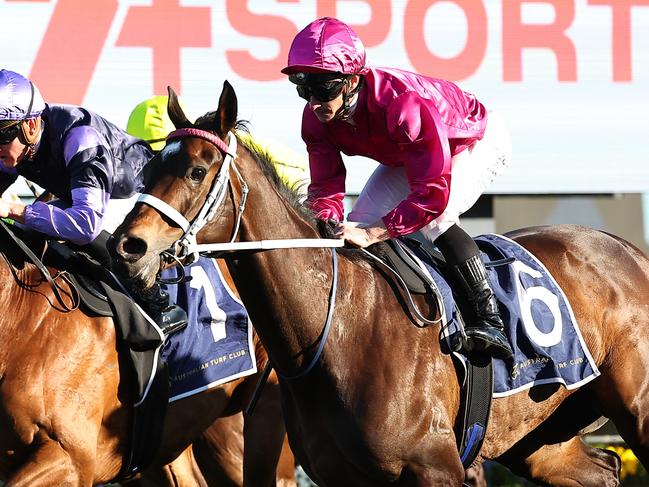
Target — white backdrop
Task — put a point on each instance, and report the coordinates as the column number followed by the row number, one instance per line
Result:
column 577, row 106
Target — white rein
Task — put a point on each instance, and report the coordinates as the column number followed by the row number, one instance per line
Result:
column 187, row 246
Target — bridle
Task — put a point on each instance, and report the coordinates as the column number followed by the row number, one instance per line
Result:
column 187, row 249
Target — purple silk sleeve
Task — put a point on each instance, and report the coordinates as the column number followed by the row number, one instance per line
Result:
column 81, row 138
column 80, row 223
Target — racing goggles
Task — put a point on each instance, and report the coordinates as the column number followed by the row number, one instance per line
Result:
column 322, row 88
column 9, row 133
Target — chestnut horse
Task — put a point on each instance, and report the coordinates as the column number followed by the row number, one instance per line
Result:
column 66, row 397
column 216, row 458
column 380, row 407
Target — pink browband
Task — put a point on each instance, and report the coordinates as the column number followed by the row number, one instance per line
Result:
column 202, row 134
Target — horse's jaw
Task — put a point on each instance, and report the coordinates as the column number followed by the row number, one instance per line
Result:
column 140, row 274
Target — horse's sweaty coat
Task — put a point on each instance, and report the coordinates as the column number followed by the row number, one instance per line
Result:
column 380, row 408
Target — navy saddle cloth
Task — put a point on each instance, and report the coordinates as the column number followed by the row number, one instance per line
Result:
column 539, row 321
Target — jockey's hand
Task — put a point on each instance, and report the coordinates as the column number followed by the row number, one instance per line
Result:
column 4, row 209
column 362, row 236
column 9, row 209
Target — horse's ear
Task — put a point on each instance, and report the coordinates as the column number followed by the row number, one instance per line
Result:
column 227, row 109
column 176, row 113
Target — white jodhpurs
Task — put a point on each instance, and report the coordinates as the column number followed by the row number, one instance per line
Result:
column 473, row 170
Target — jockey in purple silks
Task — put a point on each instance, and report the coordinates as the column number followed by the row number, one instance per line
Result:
column 438, row 149
column 92, row 167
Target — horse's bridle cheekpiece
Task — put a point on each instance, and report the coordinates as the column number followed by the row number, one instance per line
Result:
column 188, row 249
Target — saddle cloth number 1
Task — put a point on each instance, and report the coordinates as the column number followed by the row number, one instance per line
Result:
column 199, row 281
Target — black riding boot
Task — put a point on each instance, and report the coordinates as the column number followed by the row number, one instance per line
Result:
column 169, row 317
column 486, row 332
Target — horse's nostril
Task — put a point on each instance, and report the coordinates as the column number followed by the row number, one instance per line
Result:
column 132, row 248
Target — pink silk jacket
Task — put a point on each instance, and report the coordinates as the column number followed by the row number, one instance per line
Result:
column 401, row 119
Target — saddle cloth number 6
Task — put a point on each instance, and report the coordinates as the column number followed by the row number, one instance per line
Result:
column 525, row 298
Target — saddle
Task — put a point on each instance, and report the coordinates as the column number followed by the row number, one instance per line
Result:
column 405, row 262
column 88, row 285
column 475, row 371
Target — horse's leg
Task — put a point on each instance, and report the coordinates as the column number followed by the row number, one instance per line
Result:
column 425, row 476
column 569, row 464
column 622, row 392
column 264, row 434
column 286, row 466
column 475, row 476
column 52, row 464
column 219, row 452
column 182, row 472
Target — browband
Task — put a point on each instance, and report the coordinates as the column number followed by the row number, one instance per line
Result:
column 202, row 134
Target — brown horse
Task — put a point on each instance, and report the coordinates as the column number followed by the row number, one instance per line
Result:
column 66, row 397
column 381, row 406
column 216, row 458
column 219, row 453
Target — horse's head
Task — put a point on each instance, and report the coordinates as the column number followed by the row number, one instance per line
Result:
column 179, row 180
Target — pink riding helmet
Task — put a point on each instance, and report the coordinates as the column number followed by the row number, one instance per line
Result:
column 326, row 45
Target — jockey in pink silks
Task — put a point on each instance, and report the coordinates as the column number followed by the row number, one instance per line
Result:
column 438, row 148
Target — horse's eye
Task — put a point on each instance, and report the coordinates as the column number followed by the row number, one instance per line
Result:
column 197, row 174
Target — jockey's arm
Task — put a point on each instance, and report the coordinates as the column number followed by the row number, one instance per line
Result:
column 415, row 124
column 328, row 173
column 90, row 180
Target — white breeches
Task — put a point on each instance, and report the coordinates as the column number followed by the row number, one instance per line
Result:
column 473, row 170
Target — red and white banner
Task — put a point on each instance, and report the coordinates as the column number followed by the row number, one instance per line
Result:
column 571, row 76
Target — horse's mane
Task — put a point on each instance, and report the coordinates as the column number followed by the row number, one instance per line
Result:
column 292, row 194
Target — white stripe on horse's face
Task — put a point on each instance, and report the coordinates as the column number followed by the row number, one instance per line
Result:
column 171, row 149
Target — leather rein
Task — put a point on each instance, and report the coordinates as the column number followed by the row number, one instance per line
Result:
column 73, row 293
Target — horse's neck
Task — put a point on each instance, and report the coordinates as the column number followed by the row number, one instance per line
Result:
column 285, row 290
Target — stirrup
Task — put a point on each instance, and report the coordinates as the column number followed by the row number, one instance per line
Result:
column 172, row 319
column 490, row 340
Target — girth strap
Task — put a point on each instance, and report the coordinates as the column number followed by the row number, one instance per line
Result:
column 476, row 406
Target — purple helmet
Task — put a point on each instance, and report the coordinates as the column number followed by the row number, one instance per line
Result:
column 326, row 45
column 17, row 100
